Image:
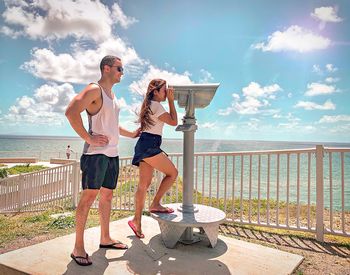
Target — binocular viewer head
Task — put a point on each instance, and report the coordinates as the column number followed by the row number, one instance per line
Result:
column 191, row 96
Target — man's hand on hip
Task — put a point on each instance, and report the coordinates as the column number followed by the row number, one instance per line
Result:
column 98, row 140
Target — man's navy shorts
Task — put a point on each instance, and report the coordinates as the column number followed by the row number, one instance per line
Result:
column 99, row 171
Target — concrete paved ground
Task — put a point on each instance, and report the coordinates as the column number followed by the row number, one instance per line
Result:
column 148, row 256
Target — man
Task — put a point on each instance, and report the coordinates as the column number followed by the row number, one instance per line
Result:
column 68, row 152
column 99, row 162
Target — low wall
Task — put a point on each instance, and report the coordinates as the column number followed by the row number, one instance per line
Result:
column 61, row 161
column 19, row 160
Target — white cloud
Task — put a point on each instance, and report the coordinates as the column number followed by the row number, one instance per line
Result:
column 119, row 16
column 288, row 125
column 46, row 106
column 10, row 32
column 316, row 69
column 290, row 117
column 326, row 14
column 255, row 98
column 295, row 38
column 255, row 90
column 253, row 124
column 208, row 125
column 172, row 78
column 51, row 20
column 132, row 108
column 206, row 77
column 308, row 105
column 341, row 129
column 335, row 119
column 295, row 126
column 319, row 89
column 81, row 65
column 332, row 79
column 330, row 68
column 121, row 102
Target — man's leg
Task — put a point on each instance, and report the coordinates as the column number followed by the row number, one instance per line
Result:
column 104, row 207
column 87, row 198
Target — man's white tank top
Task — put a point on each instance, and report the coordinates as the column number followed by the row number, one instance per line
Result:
column 105, row 122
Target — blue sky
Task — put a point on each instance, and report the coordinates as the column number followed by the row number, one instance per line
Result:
column 283, row 66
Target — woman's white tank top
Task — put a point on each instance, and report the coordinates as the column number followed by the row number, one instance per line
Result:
column 105, row 122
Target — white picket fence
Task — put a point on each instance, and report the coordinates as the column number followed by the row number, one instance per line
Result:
column 40, row 190
column 302, row 189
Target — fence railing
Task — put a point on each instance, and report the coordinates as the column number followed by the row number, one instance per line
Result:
column 300, row 189
column 40, row 155
column 40, row 190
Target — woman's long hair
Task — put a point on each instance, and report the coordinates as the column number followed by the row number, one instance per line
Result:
column 145, row 113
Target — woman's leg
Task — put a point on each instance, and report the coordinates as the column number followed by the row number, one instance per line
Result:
column 145, row 179
column 162, row 163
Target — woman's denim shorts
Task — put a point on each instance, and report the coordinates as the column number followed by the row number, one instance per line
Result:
column 147, row 146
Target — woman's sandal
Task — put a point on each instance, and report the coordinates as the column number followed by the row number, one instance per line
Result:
column 133, row 227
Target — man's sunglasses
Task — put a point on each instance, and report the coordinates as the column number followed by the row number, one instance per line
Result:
column 119, row 68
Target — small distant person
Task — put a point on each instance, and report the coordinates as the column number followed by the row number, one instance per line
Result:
column 148, row 155
column 100, row 161
column 68, row 152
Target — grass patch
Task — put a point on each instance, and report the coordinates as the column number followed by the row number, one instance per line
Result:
column 31, row 224
column 63, row 222
column 19, row 169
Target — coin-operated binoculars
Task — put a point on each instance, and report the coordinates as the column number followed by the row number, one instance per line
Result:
column 178, row 226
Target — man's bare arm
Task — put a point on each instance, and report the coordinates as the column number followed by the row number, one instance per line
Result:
column 126, row 133
column 79, row 104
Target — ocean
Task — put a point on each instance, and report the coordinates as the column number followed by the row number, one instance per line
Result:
column 45, row 147
column 27, row 145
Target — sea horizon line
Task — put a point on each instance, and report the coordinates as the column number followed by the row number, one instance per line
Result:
column 19, row 136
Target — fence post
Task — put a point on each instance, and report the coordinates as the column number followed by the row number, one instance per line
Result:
column 20, row 192
column 319, row 194
column 75, row 183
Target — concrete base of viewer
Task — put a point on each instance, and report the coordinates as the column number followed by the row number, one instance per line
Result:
column 178, row 226
column 148, row 256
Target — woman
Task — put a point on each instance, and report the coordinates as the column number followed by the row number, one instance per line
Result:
column 148, row 155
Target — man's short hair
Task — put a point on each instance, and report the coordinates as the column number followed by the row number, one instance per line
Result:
column 108, row 60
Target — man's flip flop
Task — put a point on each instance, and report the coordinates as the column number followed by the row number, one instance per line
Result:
column 167, row 210
column 76, row 259
column 115, row 246
column 133, row 227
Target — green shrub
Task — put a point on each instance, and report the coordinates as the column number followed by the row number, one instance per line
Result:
column 43, row 217
column 63, row 222
column 3, row 173
column 19, row 169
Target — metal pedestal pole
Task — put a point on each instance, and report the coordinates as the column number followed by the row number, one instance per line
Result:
column 178, row 226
